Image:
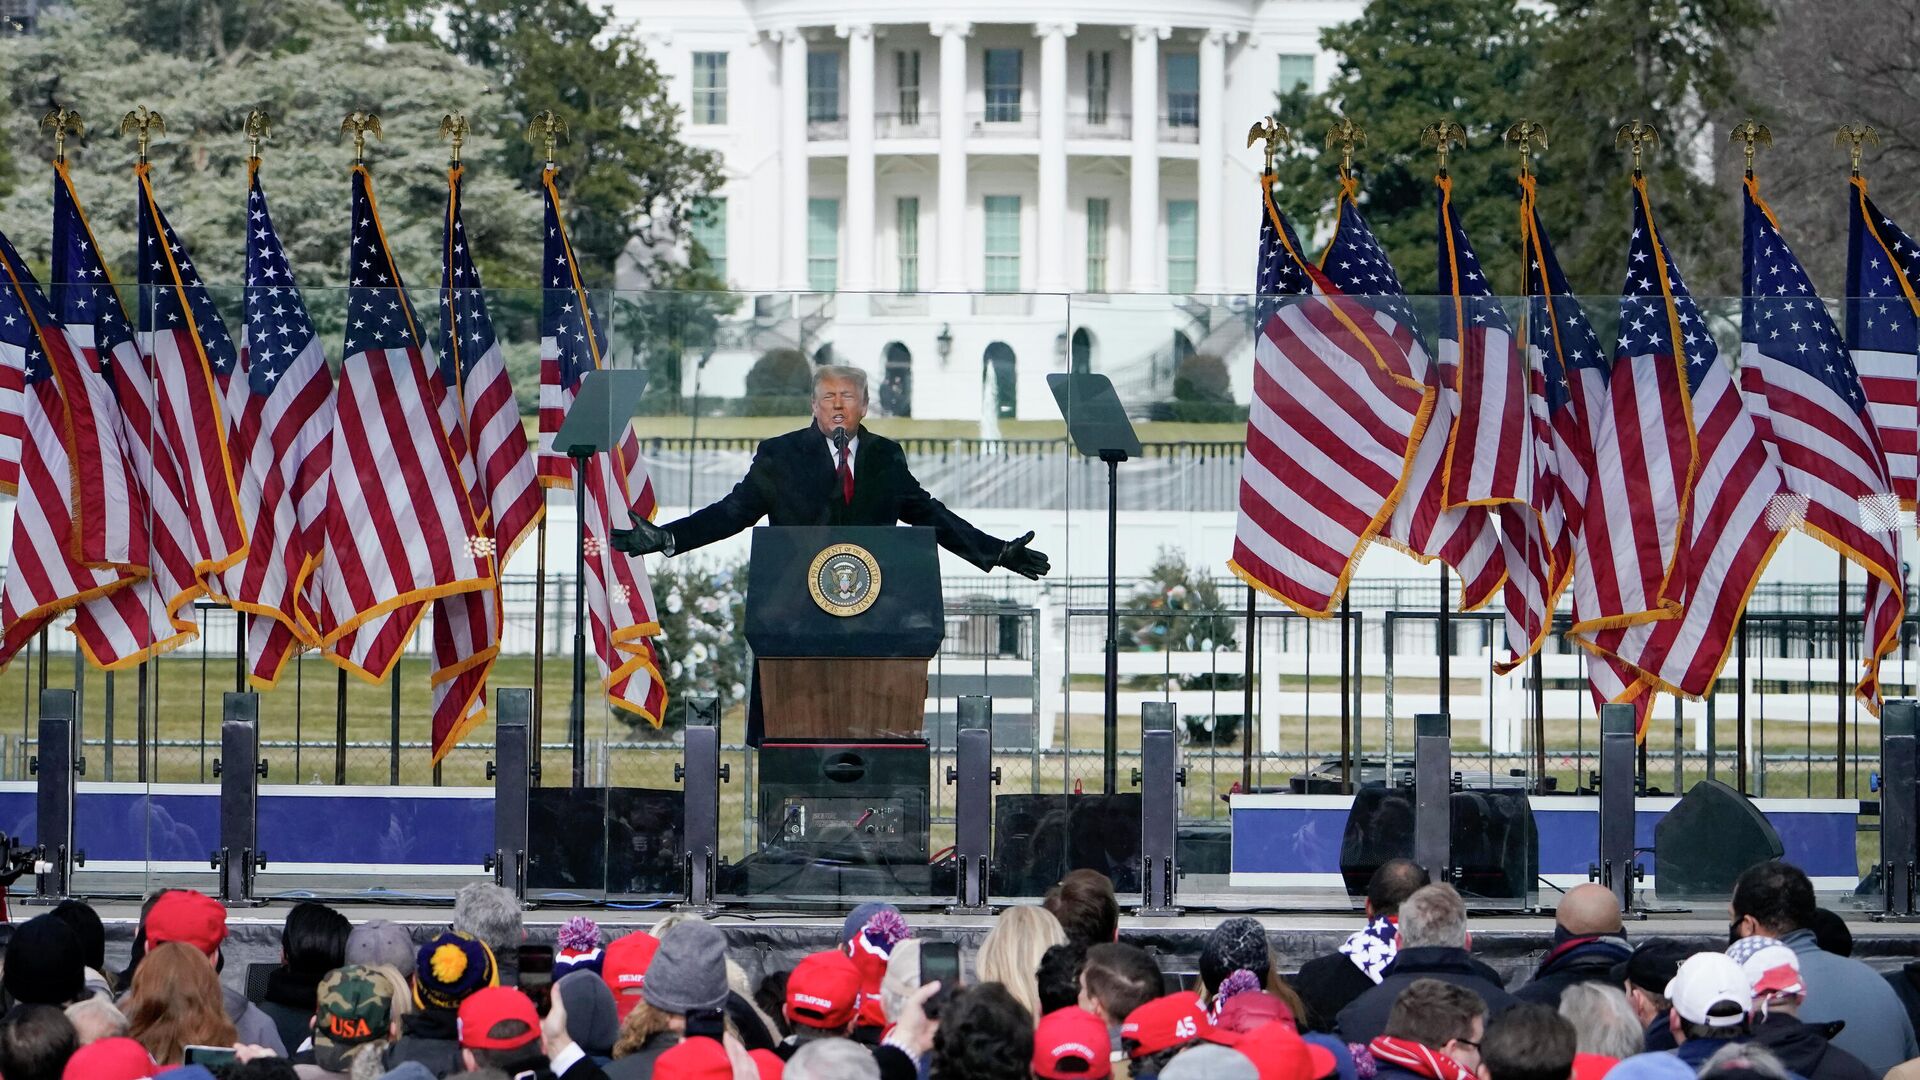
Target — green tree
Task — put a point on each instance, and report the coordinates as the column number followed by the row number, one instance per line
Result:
column 1584, row 68
column 1673, row 64
column 1405, row 64
column 624, row 174
column 203, row 65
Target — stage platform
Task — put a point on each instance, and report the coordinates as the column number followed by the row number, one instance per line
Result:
column 761, row 942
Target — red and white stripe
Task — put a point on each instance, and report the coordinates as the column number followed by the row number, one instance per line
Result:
column 1735, row 519
column 397, row 530
column 1831, row 462
column 282, row 444
column 1328, row 436
column 1464, row 538
column 1892, row 383
column 43, row 578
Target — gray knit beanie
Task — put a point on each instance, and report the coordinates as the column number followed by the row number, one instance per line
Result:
column 690, row 970
column 591, row 1020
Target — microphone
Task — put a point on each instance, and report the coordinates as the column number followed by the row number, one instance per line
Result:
column 839, row 437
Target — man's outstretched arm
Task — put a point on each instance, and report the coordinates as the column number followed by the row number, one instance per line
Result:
column 958, row 535
column 736, row 510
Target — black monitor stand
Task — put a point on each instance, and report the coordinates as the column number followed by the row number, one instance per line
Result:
column 596, row 423
column 1099, row 427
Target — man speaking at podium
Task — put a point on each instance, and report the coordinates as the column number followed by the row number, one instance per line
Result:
column 832, row 472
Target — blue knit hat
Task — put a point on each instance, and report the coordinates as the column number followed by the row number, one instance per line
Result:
column 450, row 968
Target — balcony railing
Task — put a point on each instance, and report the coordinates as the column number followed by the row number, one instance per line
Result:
column 1106, row 124
column 1024, row 123
column 1181, row 127
column 824, row 129
column 922, row 124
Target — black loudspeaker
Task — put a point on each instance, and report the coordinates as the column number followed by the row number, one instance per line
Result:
column 860, row 802
column 1703, row 845
column 1038, row 838
column 1496, row 848
column 620, row 840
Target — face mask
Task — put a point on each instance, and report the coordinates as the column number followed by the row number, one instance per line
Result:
column 1733, row 931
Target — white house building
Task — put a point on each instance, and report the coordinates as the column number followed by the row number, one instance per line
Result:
column 984, row 147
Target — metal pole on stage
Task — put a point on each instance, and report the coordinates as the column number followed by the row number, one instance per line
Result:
column 1250, row 645
column 339, row 723
column 1346, row 696
column 1540, row 718
column 539, row 628
column 577, row 710
column 1446, row 644
column 1840, row 698
column 1110, row 772
column 1740, row 704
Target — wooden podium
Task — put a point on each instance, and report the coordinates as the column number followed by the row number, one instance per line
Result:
column 842, row 622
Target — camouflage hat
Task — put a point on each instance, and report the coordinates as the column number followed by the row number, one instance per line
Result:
column 355, row 1007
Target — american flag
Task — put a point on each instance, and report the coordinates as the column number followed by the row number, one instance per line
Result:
column 154, row 615
column 1569, row 371
column 473, row 374
column 186, row 346
column 110, row 503
column 281, row 401
column 45, row 578
column 1734, row 510
column 1806, row 400
column 1422, row 525
column 620, row 612
column 398, row 529
column 1329, row 432
column 1883, row 329
column 1557, row 333
column 1644, row 451
column 1490, row 457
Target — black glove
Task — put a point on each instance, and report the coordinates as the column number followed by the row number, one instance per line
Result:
column 1023, row 560
column 644, row 538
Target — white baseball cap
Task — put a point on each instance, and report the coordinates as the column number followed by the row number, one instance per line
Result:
column 1706, row 980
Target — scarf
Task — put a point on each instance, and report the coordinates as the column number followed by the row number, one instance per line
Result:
column 1417, row 1058
column 1373, row 948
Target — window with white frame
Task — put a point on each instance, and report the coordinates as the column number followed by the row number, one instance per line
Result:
column 823, row 244
column 709, row 221
column 1098, row 211
column 906, row 77
column 1099, row 84
column 1183, row 241
column 1002, row 242
column 823, row 85
column 1183, row 89
column 709, row 88
column 1296, row 72
column 1002, row 68
column 906, row 240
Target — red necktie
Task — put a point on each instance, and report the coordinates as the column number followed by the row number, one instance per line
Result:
column 846, row 478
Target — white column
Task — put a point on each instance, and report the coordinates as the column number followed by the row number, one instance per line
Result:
column 793, row 159
column 950, row 260
column 1211, row 275
column 1146, row 261
column 1051, row 239
column 860, row 207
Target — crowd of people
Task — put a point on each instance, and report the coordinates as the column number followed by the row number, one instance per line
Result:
column 1052, row 993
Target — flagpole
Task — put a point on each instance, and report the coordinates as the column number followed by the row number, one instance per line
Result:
column 546, row 127
column 258, row 128
column 1524, row 134
column 1446, row 641
column 1271, row 134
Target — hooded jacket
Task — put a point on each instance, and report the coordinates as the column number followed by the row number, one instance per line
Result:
column 1805, row 1051
column 1574, row 960
column 1367, row 1016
